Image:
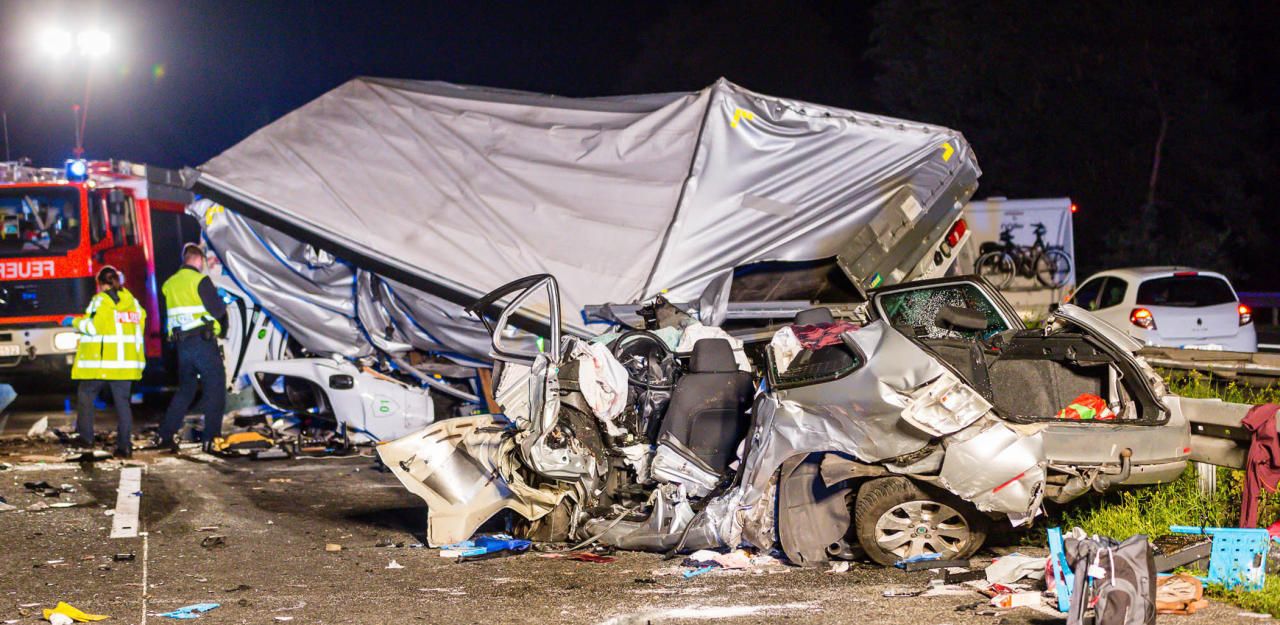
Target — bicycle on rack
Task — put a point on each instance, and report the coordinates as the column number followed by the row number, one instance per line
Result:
column 999, row 262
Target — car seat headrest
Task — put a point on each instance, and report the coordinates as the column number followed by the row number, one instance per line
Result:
column 814, row 316
column 713, row 356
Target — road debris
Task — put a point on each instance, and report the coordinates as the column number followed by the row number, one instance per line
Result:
column 1179, row 594
column 214, row 542
column 1013, row 567
column 580, row 556
column 332, row 547
column 924, row 557
column 38, row 428
column 68, row 611
column 1023, row 599
column 394, row 565
column 46, row 489
column 190, row 611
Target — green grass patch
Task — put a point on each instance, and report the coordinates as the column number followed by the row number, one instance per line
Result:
column 1195, row 384
column 1266, row 601
column 1151, row 510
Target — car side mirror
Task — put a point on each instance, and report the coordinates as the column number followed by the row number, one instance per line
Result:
column 1053, row 308
column 957, row 318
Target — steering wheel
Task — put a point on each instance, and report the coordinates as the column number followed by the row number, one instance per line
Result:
column 645, row 356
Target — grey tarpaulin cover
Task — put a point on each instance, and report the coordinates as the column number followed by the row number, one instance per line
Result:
column 620, row 198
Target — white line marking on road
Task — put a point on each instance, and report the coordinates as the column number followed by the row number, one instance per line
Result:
column 128, row 502
column 146, row 553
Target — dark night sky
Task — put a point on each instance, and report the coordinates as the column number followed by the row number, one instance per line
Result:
column 1080, row 81
column 232, row 67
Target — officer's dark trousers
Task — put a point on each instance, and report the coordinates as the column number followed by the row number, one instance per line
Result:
column 199, row 366
column 86, row 393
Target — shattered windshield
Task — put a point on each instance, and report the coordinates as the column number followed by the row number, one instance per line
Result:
column 39, row 221
column 919, row 308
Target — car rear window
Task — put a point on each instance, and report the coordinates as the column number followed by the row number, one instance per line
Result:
column 1185, row 291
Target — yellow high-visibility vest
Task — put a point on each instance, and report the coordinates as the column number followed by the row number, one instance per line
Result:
column 111, row 343
column 183, row 307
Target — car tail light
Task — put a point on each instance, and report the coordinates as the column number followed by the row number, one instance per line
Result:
column 1246, row 314
column 957, row 232
column 1185, row 274
column 1142, row 318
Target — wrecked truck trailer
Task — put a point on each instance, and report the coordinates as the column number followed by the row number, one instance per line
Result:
column 362, row 224
column 905, row 431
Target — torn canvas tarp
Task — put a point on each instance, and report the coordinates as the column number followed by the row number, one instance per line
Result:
column 455, row 190
column 332, row 307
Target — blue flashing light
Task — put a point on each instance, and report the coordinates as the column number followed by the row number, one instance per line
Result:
column 77, row 169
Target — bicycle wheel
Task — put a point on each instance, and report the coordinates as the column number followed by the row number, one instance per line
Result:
column 997, row 267
column 1053, row 268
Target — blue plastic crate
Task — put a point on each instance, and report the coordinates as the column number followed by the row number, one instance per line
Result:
column 1238, row 558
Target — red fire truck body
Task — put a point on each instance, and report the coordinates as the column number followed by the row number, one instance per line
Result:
column 57, row 231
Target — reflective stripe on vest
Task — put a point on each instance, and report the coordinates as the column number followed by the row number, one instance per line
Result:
column 184, row 309
column 111, row 344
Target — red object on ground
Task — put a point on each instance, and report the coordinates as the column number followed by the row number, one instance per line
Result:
column 822, row 335
column 1262, row 465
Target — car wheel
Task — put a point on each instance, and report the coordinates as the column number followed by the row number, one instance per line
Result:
column 895, row 518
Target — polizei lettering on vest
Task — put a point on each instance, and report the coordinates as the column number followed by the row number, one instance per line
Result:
column 25, row 269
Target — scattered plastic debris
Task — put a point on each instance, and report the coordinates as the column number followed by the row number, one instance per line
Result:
column 486, row 547
column 68, row 611
column 924, row 557
column 190, row 611
column 1013, row 567
column 214, row 542
column 123, row 557
column 697, row 572
column 1025, row 599
column 38, row 428
column 332, row 547
column 394, row 565
column 839, row 566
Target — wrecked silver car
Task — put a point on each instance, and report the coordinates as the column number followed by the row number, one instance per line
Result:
column 905, row 430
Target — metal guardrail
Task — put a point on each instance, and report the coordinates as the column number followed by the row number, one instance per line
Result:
column 1254, row 369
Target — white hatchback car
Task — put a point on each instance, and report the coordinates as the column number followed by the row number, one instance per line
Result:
column 1171, row 307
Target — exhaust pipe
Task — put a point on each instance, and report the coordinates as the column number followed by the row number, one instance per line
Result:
column 1106, row 480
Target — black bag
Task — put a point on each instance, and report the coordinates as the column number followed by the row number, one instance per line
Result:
column 1120, row 576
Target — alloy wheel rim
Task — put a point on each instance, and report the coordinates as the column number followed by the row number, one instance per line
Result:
column 921, row 527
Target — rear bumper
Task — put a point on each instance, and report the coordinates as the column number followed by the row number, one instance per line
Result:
column 1246, row 340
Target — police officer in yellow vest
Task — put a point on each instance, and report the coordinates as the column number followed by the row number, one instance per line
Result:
column 111, row 353
column 193, row 308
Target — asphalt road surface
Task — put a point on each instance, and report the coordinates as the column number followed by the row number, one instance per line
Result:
column 276, row 517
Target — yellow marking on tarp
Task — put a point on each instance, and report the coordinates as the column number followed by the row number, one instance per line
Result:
column 739, row 115
column 211, row 213
column 947, row 151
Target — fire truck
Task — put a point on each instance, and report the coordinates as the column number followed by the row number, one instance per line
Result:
column 58, row 227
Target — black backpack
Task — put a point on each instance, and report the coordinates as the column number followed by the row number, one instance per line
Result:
column 1125, row 586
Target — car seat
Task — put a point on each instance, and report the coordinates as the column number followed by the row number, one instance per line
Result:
column 708, row 406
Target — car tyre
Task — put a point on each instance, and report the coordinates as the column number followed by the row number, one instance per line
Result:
column 896, row 518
